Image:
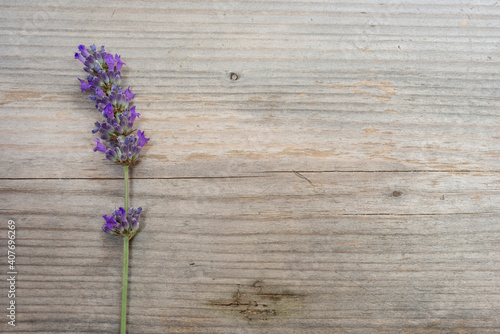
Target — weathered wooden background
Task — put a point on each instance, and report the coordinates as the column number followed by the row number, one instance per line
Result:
column 315, row 167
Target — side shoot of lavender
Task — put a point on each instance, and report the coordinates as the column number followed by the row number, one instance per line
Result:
column 117, row 139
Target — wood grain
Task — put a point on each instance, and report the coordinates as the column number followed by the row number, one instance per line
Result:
column 315, row 167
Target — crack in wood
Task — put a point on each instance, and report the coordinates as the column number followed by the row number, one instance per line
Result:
column 303, row 177
column 260, row 301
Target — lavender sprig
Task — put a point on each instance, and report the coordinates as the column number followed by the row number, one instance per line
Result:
column 118, row 140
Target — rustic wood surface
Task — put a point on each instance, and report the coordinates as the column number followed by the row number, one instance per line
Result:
column 314, row 167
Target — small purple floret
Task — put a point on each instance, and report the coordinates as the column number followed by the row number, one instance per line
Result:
column 109, row 111
column 100, row 146
column 119, row 63
column 83, row 50
column 129, row 94
column 84, row 85
column 99, row 92
column 142, row 139
column 79, row 57
column 133, row 114
column 110, row 61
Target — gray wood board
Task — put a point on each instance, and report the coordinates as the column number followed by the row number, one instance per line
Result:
column 346, row 182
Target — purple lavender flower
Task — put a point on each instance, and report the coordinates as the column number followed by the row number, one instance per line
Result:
column 83, row 50
column 99, row 92
column 110, row 61
column 116, row 129
column 133, row 114
column 84, row 85
column 112, row 127
column 124, row 150
column 109, row 111
column 100, row 66
column 100, row 147
column 79, row 57
column 119, row 63
column 129, row 94
column 142, row 139
column 121, row 223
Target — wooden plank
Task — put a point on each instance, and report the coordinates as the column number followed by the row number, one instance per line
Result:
column 274, row 253
column 241, row 143
column 293, row 194
column 352, row 102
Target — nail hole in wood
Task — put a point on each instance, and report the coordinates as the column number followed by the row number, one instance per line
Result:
column 233, row 76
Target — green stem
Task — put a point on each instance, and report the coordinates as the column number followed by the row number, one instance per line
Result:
column 124, row 285
column 125, row 169
column 125, row 263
